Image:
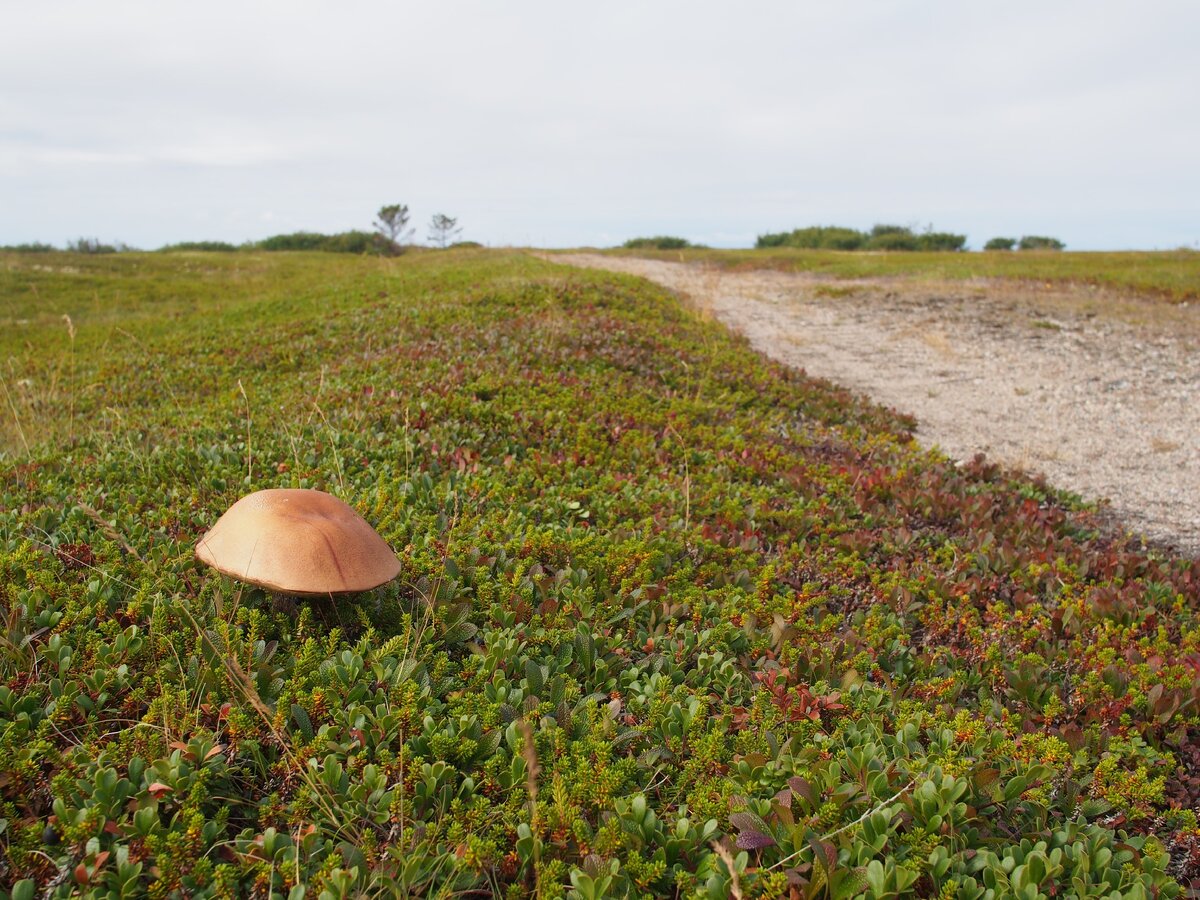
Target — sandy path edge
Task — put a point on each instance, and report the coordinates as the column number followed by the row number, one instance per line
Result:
column 1105, row 404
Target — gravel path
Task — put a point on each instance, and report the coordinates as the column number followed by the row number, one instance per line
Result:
column 1100, row 393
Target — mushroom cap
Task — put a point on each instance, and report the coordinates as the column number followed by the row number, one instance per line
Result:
column 296, row 541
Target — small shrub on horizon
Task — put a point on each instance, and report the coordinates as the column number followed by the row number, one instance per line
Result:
column 343, row 242
column 880, row 237
column 34, row 247
column 818, row 237
column 941, row 241
column 199, row 247
column 772, row 239
column 350, row 242
column 840, row 239
column 661, row 242
column 891, row 238
column 1039, row 242
column 94, row 246
column 298, row 240
column 1000, row 243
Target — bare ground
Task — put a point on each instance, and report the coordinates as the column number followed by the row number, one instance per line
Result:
column 1099, row 392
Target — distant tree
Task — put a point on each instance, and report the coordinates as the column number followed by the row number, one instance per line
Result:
column 391, row 225
column 1038, row 242
column 1000, row 244
column 443, row 230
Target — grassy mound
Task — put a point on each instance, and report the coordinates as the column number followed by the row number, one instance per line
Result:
column 673, row 621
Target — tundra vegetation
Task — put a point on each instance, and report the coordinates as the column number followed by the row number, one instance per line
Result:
column 661, row 242
column 1038, row 242
column 881, row 237
column 1173, row 275
column 672, row 620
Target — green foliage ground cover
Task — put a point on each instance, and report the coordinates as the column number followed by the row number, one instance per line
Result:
column 891, row 238
column 1173, row 275
column 662, row 242
column 673, row 620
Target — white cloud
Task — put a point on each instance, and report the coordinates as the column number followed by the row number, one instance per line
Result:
column 155, row 122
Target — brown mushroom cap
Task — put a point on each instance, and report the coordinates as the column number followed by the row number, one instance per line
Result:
column 301, row 542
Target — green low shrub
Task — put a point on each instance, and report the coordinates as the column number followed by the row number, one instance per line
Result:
column 94, row 246
column 1036, row 242
column 351, row 242
column 662, row 242
column 343, row 242
column 200, row 246
column 891, row 238
column 941, row 242
column 35, row 247
column 815, row 238
column 880, row 237
column 731, row 631
column 298, row 240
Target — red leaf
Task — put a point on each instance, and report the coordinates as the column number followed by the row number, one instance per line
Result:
column 158, row 789
column 754, row 840
column 801, row 786
column 824, row 853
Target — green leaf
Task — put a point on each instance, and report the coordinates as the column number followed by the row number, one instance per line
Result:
column 876, row 877
column 303, row 722
column 534, row 678
column 460, row 632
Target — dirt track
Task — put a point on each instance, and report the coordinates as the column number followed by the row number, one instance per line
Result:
column 1098, row 392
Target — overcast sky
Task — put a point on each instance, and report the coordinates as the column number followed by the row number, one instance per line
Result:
column 563, row 124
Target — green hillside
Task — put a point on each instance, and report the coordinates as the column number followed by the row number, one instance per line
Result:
column 672, row 620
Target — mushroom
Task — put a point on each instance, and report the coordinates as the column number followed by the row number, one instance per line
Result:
column 300, row 542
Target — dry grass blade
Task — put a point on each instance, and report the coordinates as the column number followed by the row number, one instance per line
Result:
column 108, row 529
column 735, row 883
